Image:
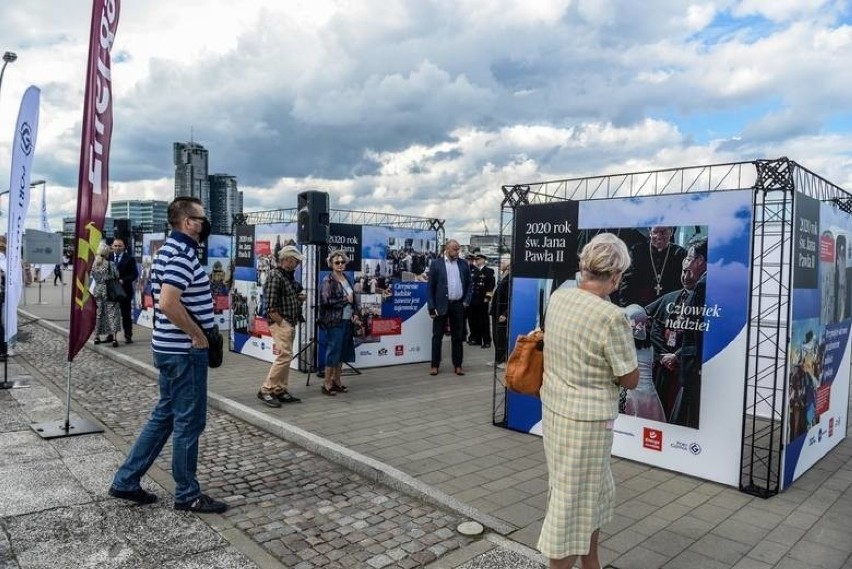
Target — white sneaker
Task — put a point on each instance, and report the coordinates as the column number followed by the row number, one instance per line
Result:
column 501, row 366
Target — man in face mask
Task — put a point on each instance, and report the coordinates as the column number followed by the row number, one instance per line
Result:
column 183, row 305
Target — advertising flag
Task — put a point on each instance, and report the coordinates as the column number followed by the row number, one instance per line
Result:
column 45, row 223
column 93, row 181
column 23, row 149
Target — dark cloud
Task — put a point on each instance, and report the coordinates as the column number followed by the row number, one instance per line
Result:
column 417, row 106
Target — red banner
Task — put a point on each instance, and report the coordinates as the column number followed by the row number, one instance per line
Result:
column 386, row 327
column 221, row 302
column 261, row 327
column 262, row 248
column 93, row 181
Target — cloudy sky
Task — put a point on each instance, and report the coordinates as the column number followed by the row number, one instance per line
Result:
column 427, row 107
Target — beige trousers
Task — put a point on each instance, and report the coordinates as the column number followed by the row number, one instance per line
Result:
column 279, row 373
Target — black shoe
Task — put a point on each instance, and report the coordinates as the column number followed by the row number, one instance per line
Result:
column 285, row 397
column 139, row 495
column 204, row 504
column 128, row 340
column 269, row 399
column 472, row 343
column 486, row 346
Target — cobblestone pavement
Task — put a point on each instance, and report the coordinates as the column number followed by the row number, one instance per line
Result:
column 303, row 510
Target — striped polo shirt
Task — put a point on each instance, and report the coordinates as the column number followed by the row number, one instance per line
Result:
column 177, row 264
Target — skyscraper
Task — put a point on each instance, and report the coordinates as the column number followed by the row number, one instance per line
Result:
column 225, row 201
column 218, row 192
column 191, row 171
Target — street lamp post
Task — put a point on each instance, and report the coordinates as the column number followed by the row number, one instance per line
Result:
column 8, row 58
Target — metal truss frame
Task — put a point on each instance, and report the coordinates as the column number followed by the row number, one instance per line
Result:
column 774, row 183
column 290, row 215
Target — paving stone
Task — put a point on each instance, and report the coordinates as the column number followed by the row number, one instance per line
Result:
column 284, row 494
column 301, row 499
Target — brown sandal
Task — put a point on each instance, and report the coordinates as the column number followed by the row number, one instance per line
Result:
column 325, row 391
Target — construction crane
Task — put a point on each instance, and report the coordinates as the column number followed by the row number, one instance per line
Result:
column 485, row 225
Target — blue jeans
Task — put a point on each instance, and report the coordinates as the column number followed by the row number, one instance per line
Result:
column 182, row 409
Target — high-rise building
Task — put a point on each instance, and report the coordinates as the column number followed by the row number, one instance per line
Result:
column 225, row 201
column 148, row 215
column 191, row 171
column 217, row 192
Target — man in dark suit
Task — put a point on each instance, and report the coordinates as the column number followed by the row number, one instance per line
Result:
column 128, row 272
column 448, row 295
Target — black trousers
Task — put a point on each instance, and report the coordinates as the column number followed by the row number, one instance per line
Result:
column 480, row 326
column 126, row 319
column 501, row 340
column 455, row 317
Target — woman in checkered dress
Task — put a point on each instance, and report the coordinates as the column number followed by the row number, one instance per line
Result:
column 588, row 355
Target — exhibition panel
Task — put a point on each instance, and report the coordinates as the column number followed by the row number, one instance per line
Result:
column 699, row 320
column 215, row 257
column 744, row 376
column 388, row 256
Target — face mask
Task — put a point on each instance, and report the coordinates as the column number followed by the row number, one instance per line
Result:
column 205, row 230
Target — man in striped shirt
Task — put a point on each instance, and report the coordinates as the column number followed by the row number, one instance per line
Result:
column 183, row 305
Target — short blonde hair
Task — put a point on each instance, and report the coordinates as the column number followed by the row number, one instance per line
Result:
column 604, row 256
column 334, row 255
column 104, row 249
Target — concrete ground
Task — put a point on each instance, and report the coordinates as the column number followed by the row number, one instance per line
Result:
column 411, row 454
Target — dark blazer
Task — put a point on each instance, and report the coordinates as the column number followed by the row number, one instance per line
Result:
column 333, row 301
column 483, row 284
column 437, row 298
column 128, row 272
column 500, row 300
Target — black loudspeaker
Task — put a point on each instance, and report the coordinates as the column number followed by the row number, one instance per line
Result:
column 313, row 218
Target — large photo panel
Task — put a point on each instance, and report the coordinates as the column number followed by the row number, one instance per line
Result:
column 257, row 248
column 819, row 352
column 216, row 262
column 387, row 268
column 390, row 280
column 689, row 282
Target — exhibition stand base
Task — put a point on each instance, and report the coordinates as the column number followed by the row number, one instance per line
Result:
column 60, row 429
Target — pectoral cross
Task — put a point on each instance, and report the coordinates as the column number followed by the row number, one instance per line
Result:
column 658, row 287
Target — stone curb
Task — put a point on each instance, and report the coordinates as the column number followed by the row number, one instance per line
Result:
column 366, row 466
